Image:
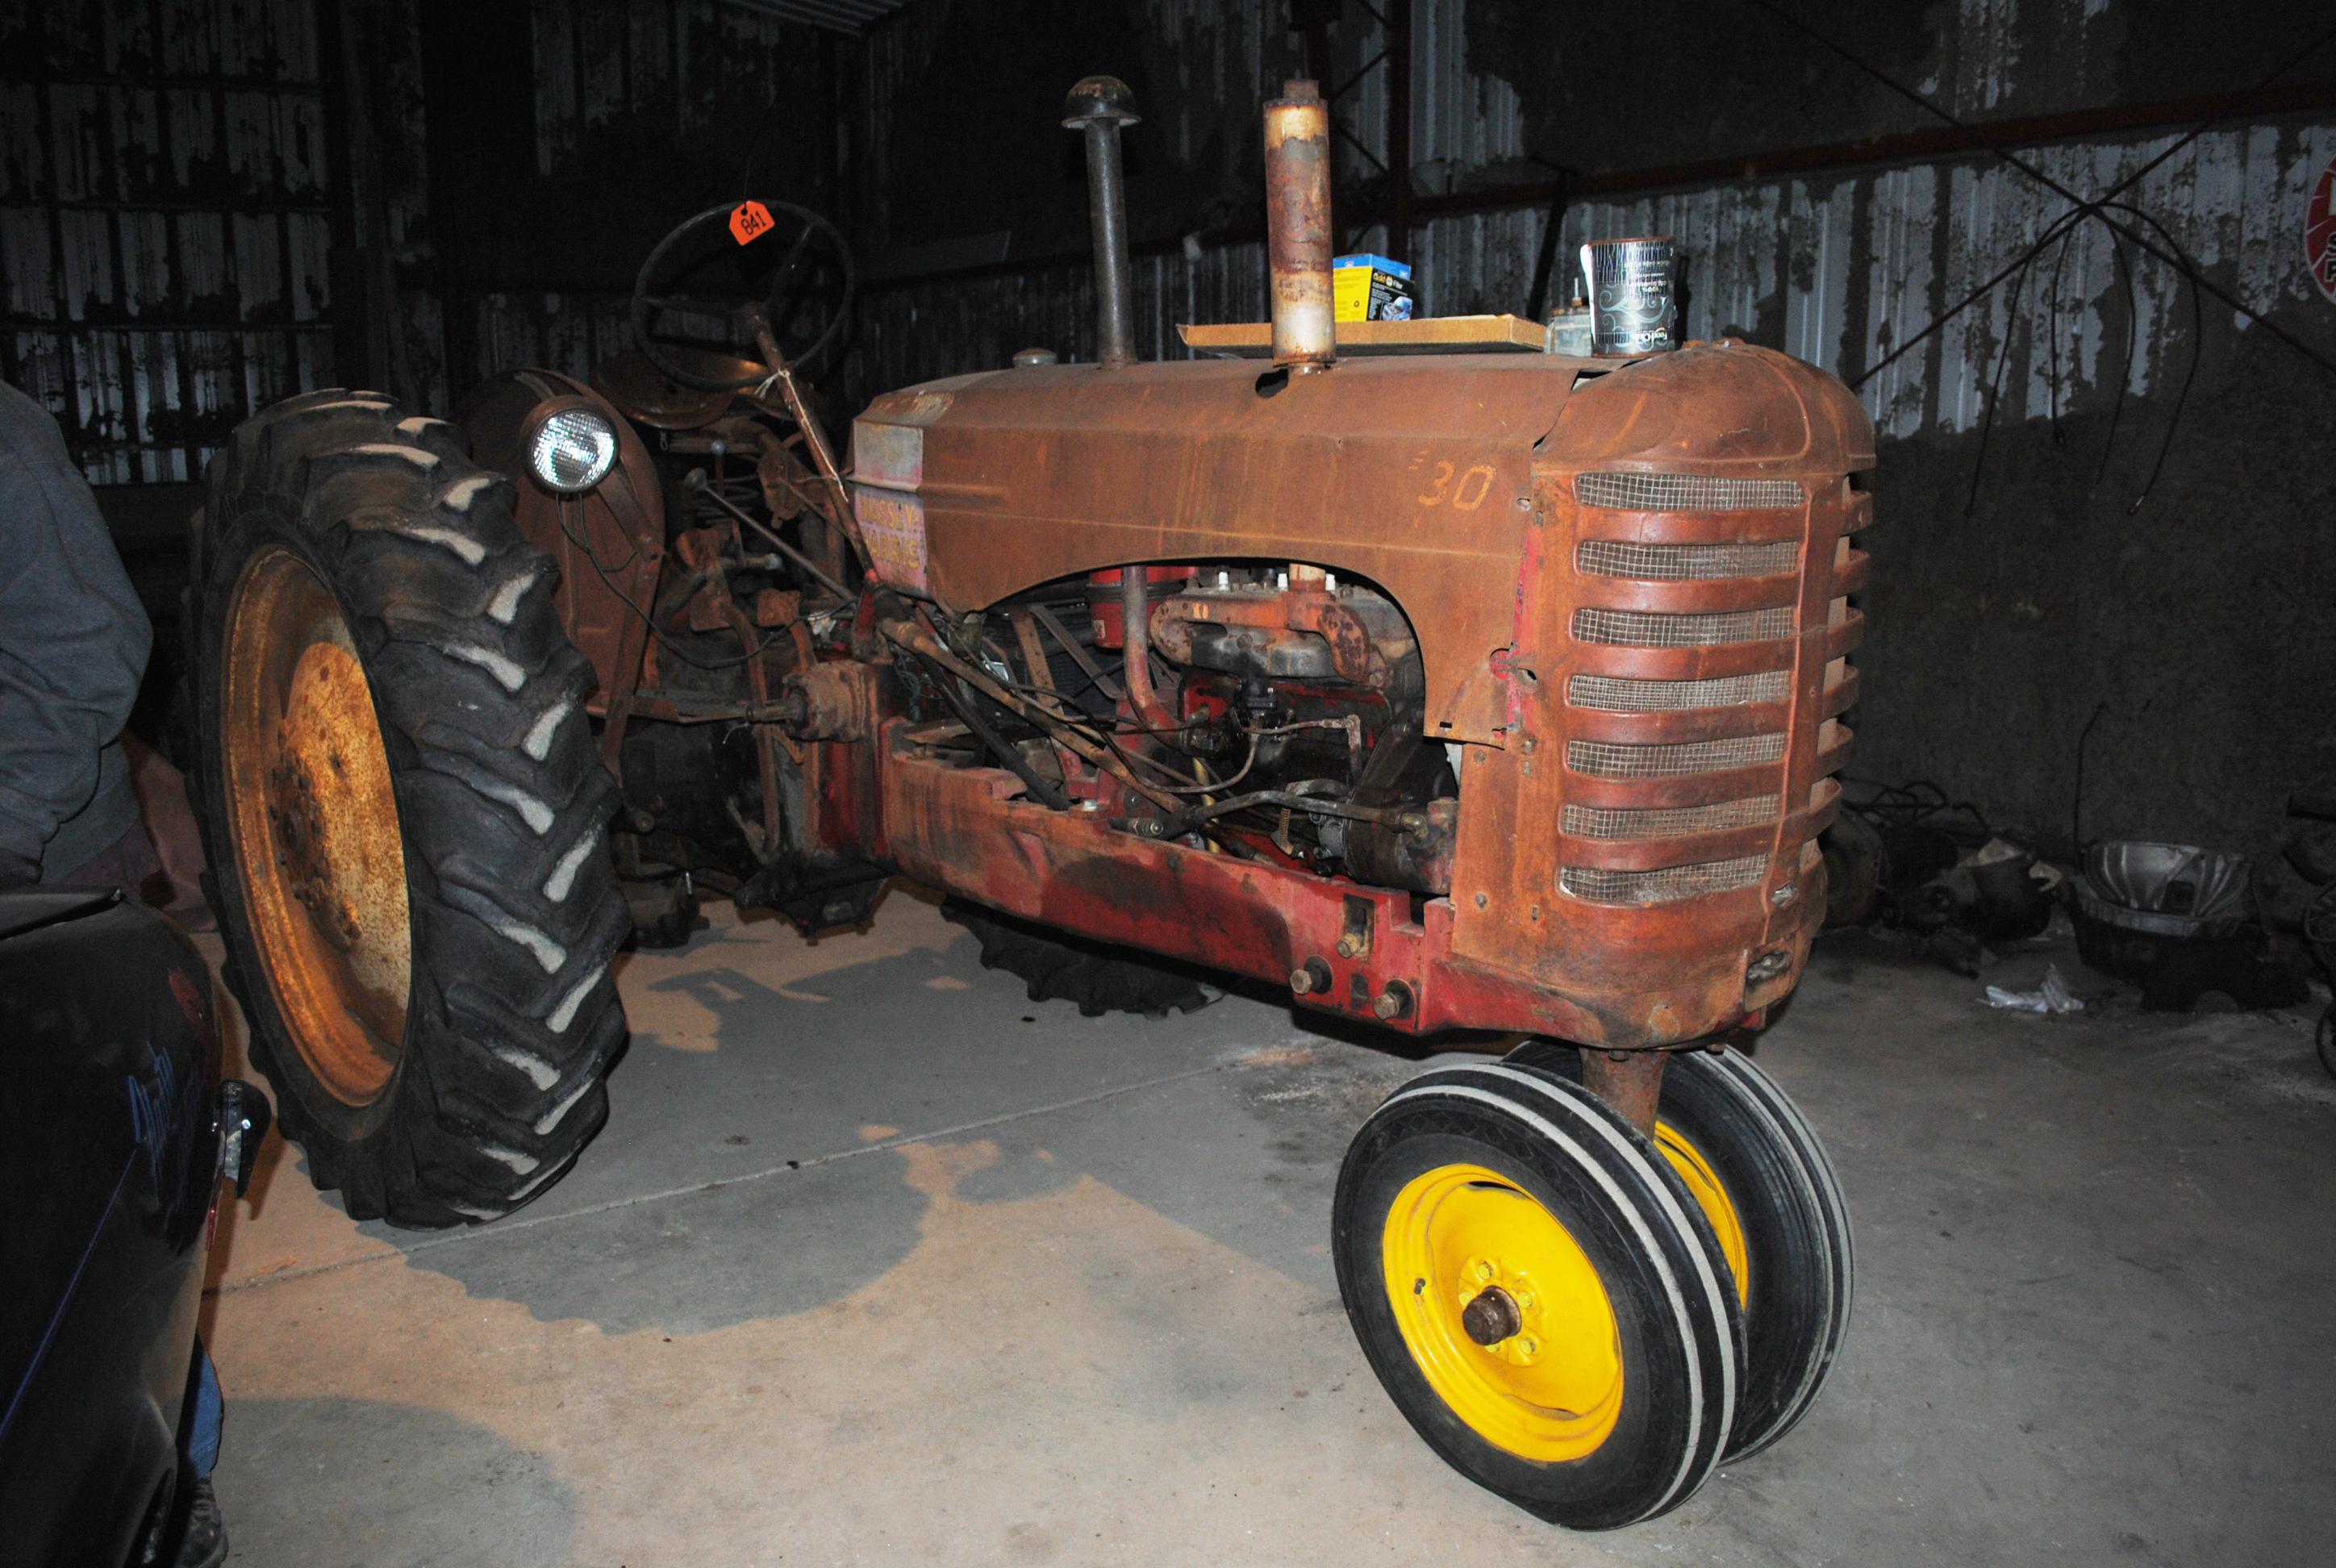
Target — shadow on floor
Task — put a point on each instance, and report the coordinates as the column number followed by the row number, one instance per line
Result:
column 461, row 1493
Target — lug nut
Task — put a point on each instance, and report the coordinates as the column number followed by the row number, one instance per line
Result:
column 1392, row 1003
column 1311, row 978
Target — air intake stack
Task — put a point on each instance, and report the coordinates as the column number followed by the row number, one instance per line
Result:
column 1297, row 226
column 1098, row 108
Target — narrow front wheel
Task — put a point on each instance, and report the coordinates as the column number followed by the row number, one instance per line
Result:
column 1540, row 1294
column 1767, row 1190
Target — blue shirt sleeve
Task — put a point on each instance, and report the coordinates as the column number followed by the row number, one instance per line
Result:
column 73, row 638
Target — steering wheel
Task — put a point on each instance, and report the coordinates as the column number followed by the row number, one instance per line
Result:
column 807, row 302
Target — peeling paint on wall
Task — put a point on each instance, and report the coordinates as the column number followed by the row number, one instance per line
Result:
column 163, row 222
column 1839, row 271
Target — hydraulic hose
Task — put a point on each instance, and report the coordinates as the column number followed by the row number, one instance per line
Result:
column 1135, row 612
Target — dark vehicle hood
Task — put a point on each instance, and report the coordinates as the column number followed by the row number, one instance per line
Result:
column 110, row 1058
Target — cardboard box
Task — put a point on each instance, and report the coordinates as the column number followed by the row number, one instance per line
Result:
column 1369, row 288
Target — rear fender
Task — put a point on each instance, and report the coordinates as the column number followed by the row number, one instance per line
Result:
column 608, row 542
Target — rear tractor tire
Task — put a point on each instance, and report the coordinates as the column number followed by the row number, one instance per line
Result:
column 1099, row 978
column 403, row 811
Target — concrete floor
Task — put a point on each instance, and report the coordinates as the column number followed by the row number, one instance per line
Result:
column 878, row 1262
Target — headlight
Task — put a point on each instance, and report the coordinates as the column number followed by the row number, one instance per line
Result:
column 573, row 451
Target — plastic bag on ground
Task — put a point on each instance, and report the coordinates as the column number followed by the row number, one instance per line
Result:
column 2053, row 997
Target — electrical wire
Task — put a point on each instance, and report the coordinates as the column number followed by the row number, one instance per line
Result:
column 2052, row 338
column 2132, row 347
column 656, row 631
column 2198, row 324
column 1995, row 383
column 1295, row 797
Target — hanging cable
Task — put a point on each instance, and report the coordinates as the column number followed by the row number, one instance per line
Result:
column 1995, row 383
column 2181, row 398
column 2132, row 345
column 664, row 641
column 2053, row 337
column 2082, row 205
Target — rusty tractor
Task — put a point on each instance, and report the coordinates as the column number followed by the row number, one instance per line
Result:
column 1440, row 690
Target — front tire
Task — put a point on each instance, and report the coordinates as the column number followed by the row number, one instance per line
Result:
column 403, row 812
column 1768, row 1191
column 1539, row 1294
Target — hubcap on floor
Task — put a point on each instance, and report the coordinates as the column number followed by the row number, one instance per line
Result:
column 1469, row 1254
column 314, row 826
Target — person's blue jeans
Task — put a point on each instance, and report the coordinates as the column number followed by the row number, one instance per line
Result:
column 211, row 1410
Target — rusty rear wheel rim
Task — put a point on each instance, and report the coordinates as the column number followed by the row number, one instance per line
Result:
column 314, row 826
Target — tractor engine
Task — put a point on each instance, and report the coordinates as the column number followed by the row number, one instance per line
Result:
column 1277, row 687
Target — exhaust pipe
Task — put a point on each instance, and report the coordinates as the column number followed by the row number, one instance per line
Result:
column 1097, row 107
column 1297, row 226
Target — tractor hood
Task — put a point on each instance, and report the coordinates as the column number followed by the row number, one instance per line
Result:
column 1414, row 473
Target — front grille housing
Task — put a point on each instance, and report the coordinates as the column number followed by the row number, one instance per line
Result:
column 1704, row 666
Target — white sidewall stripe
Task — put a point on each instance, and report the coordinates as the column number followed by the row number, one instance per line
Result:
column 1751, row 1102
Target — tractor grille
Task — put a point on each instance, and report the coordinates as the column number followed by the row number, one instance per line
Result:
column 1641, row 629
column 1637, row 742
column 1685, row 562
column 1604, row 759
column 1667, row 822
column 1687, row 492
column 1664, row 886
column 1624, row 695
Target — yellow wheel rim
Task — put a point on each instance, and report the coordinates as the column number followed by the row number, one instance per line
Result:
column 1550, row 1388
column 314, row 822
column 1711, row 1194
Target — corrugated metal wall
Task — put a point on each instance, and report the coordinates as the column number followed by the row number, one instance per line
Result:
column 167, row 196
column 1840, row 271
column 165, row 208
column 1836, row 270
column 164, row 221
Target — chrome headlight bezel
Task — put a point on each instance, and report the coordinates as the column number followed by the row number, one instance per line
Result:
column 571, row 447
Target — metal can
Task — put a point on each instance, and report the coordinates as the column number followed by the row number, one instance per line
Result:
column 1634, row 294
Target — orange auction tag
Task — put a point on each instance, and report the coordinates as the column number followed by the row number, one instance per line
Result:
column 750, row 221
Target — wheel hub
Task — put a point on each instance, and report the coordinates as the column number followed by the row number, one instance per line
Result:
column 300, row 826
column 1500, row 1299
column 1492, row 1317
column 1504, row 1313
